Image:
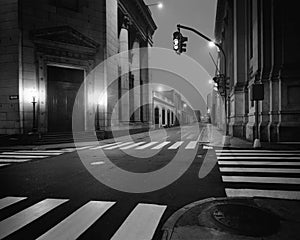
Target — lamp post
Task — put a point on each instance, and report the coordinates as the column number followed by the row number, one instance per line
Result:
column 160, row 5
column 224, row 77
column 33, row 115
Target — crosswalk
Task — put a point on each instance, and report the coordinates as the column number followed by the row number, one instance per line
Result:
column 141, row 222
column 260, row 173
column 155, row 145
column 20, row 156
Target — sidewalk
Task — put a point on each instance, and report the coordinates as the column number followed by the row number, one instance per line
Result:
column 235, row 218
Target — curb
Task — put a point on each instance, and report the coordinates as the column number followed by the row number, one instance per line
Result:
column 169, row 225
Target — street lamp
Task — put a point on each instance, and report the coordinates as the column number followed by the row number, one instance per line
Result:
column 159, row 5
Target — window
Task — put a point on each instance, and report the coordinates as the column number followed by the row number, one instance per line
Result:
column 163, row 116
column 250, row 27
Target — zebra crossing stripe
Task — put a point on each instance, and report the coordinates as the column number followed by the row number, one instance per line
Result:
column 256, row 154
column 83, row 148
column 146, row 145
column 79, row 221
column 132, row 145
column 32, row 153
column 258, row 151
column 271, row 180
column 5, row 164
column 191, row 145
column 119, row 145
column 260, row 163
column 40, row 151
column 21, row 156
column 176, row 145
column 258, row 157
column 161, row 145
column 8, row 160
column 260, row 170
column 28, row 215
column 292, row 195
column 106, row 145
column 141, row 223
column 7, row 201
column 69, row 149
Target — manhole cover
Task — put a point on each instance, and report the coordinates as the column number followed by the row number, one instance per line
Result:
column 246, row 220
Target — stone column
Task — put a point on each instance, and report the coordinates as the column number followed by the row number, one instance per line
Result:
column 124, row 64
column 239, row 70
column 137, row 79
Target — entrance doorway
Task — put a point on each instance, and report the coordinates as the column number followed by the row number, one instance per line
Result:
column 62, row 87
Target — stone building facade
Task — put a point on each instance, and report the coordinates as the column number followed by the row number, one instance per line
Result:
column 261, row 43
column 49, row 47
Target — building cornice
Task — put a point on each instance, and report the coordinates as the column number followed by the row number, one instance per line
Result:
column 219, row 23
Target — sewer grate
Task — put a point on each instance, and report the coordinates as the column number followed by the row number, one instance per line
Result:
column 245, row 220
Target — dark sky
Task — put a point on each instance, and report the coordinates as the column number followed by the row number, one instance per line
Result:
column 199, row 14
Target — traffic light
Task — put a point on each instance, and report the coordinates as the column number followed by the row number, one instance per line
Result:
column 176, row 41
column 179, row 44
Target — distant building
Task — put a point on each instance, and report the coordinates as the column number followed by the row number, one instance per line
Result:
column 48, row 47
column 170, row 110
column 261, row 42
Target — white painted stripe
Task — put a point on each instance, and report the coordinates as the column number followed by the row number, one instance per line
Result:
column 161, row 145
column 292, row 195
column 191, row 136
column 191, row 145
column 41, row 150
column 119, row 145
column 258, row 163
column 207, row 147
column 141, row 223
column 132, row 145
column 176, row 145
column 279, row 180
column 257, row 154
column 2, row 165
column 19, row 220
column 185, row 134
column 82, row 148
column 259, row 157
column 106, row 145
column 7, row 160
column 79, row 221
column 97, row 163
column 146, row 145
column 30, row 153
column 260, row 170
column 20, row 156
column 7, row 201
column 259, row 151
column 69, row 149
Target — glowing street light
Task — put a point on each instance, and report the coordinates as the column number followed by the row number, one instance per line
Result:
column 159, row 5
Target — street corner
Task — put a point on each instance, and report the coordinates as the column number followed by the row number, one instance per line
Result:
column 235, row 219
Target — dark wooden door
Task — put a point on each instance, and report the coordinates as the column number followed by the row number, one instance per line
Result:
column 63, row 85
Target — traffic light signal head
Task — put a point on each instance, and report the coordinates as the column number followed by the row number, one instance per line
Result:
column 176, row 41
column 179, row 44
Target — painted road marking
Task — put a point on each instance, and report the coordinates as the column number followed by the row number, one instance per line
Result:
column 161, row 145
column 106, row 145
column 256, row 154
column 259, row 157
column 191, row 145
column 28, row 215
column 293, row 195
column 258, row 163
column 260, row 170
column 5, row 164
column 132, row 145
column 141, row 223
column 20, row 156
column 119, row 145
column 146, row 145
column 79, row 221
column 258, row 151
column 32, row 153
column 7, row 160
column 7, row 201
column 272, row 180
column 176, row 145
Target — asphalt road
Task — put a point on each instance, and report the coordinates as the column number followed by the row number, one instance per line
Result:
column 74, row 177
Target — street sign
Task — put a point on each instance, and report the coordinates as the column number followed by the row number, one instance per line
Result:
column 13, row 97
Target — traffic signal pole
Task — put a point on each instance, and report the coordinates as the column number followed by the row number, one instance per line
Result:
column 179, row 26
